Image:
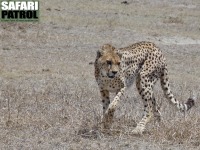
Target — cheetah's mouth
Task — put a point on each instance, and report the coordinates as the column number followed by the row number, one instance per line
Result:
column 110, row 76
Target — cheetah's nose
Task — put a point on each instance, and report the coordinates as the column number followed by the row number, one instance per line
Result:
column 114, row 72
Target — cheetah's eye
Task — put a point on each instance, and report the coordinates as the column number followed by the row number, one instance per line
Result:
column 109, row 62
column 118, row 63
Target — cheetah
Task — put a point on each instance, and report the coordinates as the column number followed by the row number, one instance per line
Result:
column 117, row 68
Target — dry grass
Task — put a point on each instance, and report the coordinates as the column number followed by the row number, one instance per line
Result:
column 175, row 20
column 49, row 98
column 47, row 113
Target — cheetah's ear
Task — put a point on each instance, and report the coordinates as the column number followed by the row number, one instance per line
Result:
column 105, row 48
column 99, row 53
column 119, row 53
column 108, row 47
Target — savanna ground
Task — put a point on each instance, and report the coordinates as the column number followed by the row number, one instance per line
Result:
column 48, row 95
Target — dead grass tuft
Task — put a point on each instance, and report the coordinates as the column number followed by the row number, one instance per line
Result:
column 175, row 20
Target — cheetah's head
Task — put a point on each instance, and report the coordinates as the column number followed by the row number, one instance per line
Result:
column 108, row 60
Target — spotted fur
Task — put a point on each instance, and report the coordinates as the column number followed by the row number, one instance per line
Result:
column 116, row 69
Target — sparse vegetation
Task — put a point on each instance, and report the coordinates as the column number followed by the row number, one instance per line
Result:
column 175, row 20
column 48, row 95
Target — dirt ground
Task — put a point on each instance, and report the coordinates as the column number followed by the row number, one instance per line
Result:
column 49, row 98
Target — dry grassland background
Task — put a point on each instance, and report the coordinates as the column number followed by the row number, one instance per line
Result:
column 48, row 95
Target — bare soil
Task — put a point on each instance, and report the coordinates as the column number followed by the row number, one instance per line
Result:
column 49, row 98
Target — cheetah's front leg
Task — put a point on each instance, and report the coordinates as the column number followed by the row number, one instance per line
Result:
column 105, row 102
column 108, row 116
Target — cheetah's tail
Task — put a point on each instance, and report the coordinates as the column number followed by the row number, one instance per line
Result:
column 168, row 93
